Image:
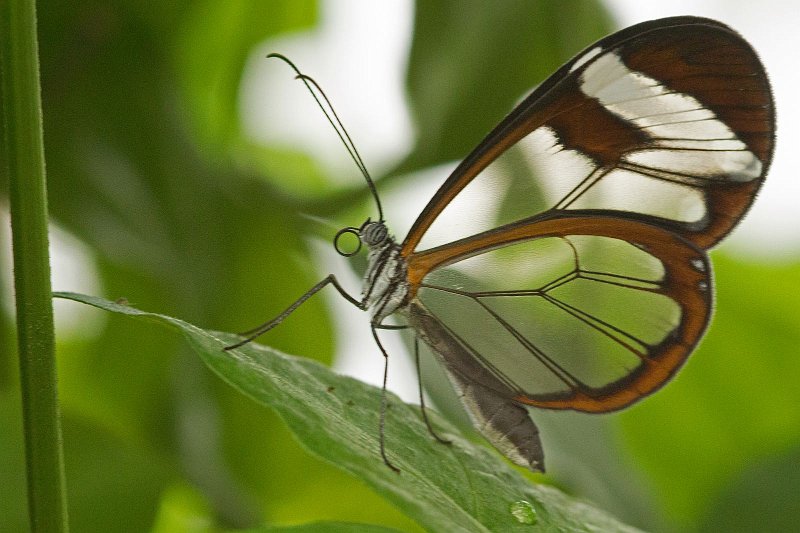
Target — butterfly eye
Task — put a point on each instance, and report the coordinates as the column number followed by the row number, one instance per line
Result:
column 347, row 251
column 373, row 233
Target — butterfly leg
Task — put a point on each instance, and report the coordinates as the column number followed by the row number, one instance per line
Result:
column 382, row 422
column 419, row 382
column 251, row 334
column 422, row 397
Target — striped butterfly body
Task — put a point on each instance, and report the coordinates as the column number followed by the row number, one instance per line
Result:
column 580, row 279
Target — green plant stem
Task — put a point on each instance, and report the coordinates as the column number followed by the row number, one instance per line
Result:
column 24, row 153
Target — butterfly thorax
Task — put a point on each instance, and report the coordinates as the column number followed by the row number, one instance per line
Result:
column 385, row 286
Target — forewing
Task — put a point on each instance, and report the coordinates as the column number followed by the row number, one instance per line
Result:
column 589, row 313
column 670, row 122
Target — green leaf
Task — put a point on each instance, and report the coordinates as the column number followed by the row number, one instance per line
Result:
column 461, row 487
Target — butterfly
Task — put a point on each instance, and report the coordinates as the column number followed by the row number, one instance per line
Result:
column 563, row 263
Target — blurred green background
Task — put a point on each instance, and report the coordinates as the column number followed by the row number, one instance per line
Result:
column 166, row 199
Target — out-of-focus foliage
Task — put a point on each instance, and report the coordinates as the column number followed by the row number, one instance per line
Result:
column 149, row 169
column 140, row 116
column 471, row 62
column 728, row 428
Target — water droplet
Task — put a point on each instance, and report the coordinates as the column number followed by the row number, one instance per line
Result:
column 523, row 512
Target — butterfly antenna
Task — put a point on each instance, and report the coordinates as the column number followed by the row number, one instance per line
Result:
column 333, row 118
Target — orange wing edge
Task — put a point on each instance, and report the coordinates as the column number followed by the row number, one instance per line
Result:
column 687, row 281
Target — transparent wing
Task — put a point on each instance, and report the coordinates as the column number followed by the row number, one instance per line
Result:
column 669, row 122
column 503, row 422
column 574, row 312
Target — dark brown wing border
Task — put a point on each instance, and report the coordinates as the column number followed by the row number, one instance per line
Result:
column 700, row 57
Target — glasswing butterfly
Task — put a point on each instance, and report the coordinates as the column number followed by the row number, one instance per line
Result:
column 563, row 264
